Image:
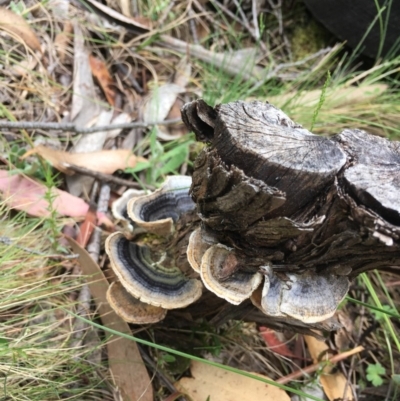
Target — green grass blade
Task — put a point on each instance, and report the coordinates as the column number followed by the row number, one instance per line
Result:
column 195, row 358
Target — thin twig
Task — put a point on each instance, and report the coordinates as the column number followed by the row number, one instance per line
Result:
column 277, row 11
column 105, row 178
column 298, row 63
column 315, row 366
column 242, row 21
column 274, row 71
column 128, row 75
column 228, row 12
column 205, row 13
column 71, row 127
column 165, row 13
column 192, row 26
column 156, row 370
column 94, row 245
column 248, row 72
column 254, row 11
column 165, row 41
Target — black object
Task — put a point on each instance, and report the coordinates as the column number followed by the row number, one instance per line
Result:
column 350, row 20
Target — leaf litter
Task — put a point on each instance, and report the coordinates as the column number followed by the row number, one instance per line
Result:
column 134, row 61
column 103, row 161
column 16, row 25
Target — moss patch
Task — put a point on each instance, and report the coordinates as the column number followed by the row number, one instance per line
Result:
column 308, row 38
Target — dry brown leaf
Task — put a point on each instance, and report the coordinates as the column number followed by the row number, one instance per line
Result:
column 203, row 30
column 100, row 72
column 14, row 23
column 104, row 161
column 140, row 24
column 126, row 364
column 334, row 384
column 78, row 184
column 221, row 385
column 62, row 40
column 343, row 335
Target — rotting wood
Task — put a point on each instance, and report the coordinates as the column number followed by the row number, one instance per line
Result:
column 272, row 190
column 303, row 204
column 307, row 213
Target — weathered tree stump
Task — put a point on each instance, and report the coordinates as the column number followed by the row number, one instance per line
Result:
column 277, row 224
column 272, row 189
column 305, row 205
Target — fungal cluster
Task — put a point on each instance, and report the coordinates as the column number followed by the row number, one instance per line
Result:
column 149, row 281
column 148, row 287
column 272, row 213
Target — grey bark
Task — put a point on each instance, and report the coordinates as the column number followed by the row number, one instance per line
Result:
column 277, row 193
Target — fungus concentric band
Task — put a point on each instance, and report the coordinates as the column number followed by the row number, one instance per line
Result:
column 308, row 297
column 147, row 281
column 235, row 288
column 158, row 211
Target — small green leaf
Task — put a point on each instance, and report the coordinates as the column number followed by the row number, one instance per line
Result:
column 14, row 149
column 385, row 308
column 168, row 358
column 139, row 167
column 374, row 373
column 18, row 8
column 173, row 160
column 3, row 342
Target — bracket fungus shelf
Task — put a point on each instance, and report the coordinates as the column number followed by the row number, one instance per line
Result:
column 275, row 221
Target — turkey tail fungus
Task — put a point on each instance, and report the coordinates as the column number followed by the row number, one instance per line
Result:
column 280, row 221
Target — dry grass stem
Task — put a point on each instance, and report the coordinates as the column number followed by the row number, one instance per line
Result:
column 315, row 366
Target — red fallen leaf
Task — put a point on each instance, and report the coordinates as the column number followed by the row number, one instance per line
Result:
column 23, row 193
column 274, row 343
column 87, row 227
column 102, row 75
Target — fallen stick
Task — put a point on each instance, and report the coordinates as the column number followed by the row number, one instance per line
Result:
column 71, row 127
column 315, row 366
column 105, row 178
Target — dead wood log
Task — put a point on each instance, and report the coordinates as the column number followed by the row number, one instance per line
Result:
column 305, row 205
column 270, row 188
column 277, row 224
